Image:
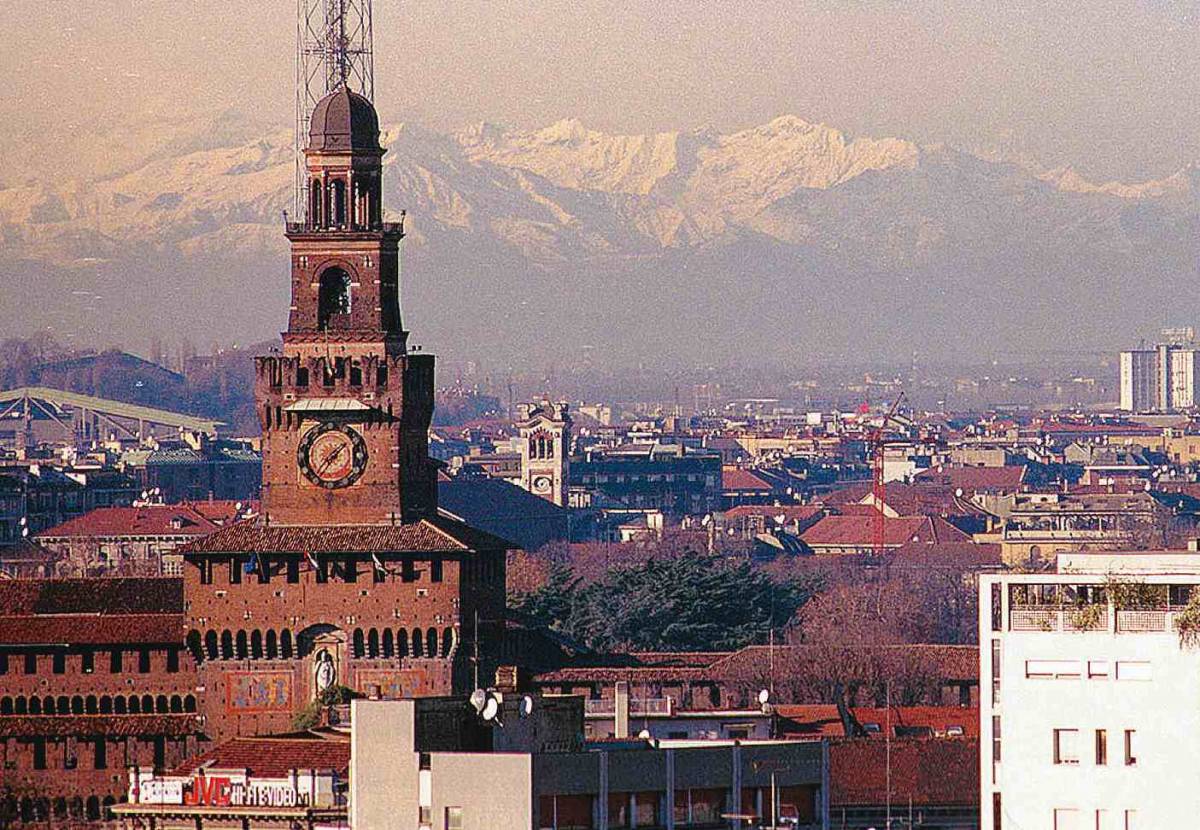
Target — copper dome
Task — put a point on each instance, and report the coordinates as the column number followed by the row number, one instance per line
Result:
column 343, row 121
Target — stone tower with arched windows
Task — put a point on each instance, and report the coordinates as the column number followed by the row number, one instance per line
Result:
column 345, row 408
column 545, row 450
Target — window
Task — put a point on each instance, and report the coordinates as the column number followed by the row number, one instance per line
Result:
column 995, row 671
column 424, row 815
column 144, row 661
column 302, row 376
column 454, row 818
column 58, row 662
column 3, row 663
column 1057, row 669
column 293, row 571
column 1098, row 669
column 435, row 570
column 114, row 665
column 408, row 571
column 1133, row 670
column 88, row 662
column 333, row 296
column 172, row 660
column 100, row 760
column 31, row 663
column 39, row 753
column 235, row 571
column 1131, row 820
column 1066, row 746
column 1131, row 747
column 1101, row 747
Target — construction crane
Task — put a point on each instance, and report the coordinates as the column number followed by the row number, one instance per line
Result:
column 878, row 488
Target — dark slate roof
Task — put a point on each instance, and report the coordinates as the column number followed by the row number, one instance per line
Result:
column 438, row 534
column 502, row 508
column 343, row 121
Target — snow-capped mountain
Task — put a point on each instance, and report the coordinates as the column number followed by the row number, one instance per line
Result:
column 772, row 241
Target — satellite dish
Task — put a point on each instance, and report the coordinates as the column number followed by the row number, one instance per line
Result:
column 644, row 734
column 491, row 708
column 478, row 699
column 764, row 696
column 526, row 706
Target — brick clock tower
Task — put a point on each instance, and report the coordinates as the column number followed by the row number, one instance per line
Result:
column 351, row 577
column 345, row 409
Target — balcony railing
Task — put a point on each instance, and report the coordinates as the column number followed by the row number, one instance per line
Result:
column 1077, row 618
column 637, row 706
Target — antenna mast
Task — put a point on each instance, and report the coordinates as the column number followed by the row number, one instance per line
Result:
column 334, row 46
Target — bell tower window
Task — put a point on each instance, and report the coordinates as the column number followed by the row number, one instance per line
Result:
column 333, row 297
column 339, row 202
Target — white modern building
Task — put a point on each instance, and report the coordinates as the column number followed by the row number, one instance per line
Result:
column 1162, row 379
column 1090, row 705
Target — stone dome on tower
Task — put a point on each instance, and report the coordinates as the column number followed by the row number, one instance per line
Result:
column 343, row 121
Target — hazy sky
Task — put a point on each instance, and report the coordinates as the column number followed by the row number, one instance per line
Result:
column 1112, row 88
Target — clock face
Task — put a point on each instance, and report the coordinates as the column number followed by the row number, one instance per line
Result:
column 541, row 484
column 332, row 455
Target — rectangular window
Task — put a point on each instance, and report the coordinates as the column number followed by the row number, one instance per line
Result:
column 172, row 660
column 235, row 571
column 101, row 757
column 1131, row 747
column 1057, row 669
column 1133, row 670
column 3, row 663
column 1101, row 747
column 293, row 571
column 39, row 753
column 144, row 661
column 88, row 662
column 408, row 571
column 1066, row 746
column 424, row 815
column 31, row 663
column 206, row 573
column 114, row 664
column 1098, row 669
column 997, row 608
column 435, row 570
column 1131, row 820
column 997, row 821
column 454, row 818
column 995, row 672
column 995, row 739
column 160, row 752
column 1103, row 820
column 58, row 663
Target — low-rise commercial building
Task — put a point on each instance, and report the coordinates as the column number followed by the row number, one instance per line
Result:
column 436, row 764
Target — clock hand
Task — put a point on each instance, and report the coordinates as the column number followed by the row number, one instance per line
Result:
column 329, row 459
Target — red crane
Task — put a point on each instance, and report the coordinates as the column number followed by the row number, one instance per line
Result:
column 878, row 488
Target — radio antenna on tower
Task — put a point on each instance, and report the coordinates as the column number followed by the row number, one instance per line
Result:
column 334, row 46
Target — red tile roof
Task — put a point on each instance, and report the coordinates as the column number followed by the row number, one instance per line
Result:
column 273, row 757
column 932, row 772
column 20, row 726
column 149, row 520
column 859, row 531
column 91, row 611
column 91, row 629
column 432, row 535
column 958, row 663
column 735, row 478
column 976, row 479
column 790, row 512
column 125, row 595
column 822, row 720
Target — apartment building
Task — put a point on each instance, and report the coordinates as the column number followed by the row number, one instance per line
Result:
column 1088, row 696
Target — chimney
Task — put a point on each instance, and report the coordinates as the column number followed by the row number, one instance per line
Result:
column 621, row 710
